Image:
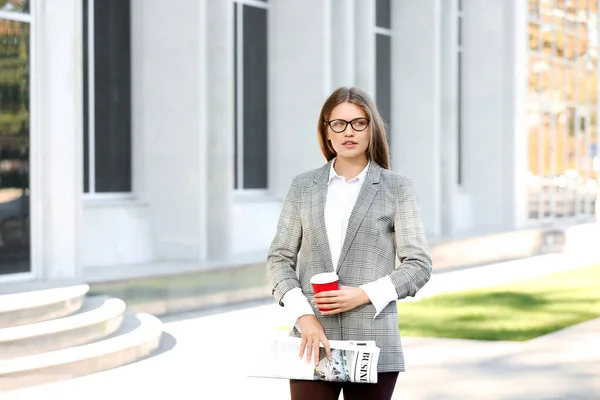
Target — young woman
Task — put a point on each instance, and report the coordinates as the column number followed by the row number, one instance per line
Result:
column 352, row 216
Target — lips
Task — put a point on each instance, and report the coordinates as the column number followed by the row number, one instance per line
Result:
column 349, row 143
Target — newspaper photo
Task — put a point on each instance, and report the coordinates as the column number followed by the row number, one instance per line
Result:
column 351, row 361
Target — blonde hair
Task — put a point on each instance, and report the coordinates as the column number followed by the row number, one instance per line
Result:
column 378, row 150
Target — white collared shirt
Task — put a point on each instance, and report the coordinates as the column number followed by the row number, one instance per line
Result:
column 341, row 198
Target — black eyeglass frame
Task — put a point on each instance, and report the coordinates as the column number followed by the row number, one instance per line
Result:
column 349, row 123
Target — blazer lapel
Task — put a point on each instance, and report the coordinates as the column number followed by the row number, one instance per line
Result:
column 365, row 198
column 319, row 196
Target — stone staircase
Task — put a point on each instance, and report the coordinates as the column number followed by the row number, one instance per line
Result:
column 56, row 331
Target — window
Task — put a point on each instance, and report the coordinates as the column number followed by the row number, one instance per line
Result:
column 17, row 6
column 250, row 60
column 563, row 160
column 107, row 96
column 383, row 61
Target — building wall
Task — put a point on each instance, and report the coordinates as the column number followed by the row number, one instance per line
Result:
column 424, row 137
column 459, row 136
column 305, row 66
column 182, row 129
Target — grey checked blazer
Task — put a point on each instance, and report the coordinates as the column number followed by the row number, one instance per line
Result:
column 385, row 221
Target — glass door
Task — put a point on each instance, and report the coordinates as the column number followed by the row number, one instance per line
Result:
column 15, row 243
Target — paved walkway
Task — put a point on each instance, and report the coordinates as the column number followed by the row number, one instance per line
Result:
column 562, row 365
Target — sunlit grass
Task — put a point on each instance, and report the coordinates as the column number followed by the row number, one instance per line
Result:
column 518, row 311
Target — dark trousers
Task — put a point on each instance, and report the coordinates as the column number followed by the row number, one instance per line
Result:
column 319, row 390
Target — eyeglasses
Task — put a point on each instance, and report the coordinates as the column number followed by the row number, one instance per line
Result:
column 340, row 125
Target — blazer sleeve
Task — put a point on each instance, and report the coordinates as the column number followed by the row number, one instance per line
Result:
column 412, row 248
column 283, row 252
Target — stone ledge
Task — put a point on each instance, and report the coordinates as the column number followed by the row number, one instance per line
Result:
column 503, row 246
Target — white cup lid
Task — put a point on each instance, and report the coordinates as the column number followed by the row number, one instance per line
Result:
column 326, row 277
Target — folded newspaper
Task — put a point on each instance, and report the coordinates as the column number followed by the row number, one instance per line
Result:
column 351, row 361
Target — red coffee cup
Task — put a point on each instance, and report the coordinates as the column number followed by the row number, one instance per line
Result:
column 324, row 282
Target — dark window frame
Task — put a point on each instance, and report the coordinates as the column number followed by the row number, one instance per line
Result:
column 107, row 139
column 383, row 62
column 251, row 95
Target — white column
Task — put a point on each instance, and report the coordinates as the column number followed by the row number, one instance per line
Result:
column 494, row 136
column 299, row 82
column 342, row 43
column 218, row 131
column 183, row 111
column 166, row 103
column 416, row 102
column 364, row 53
column 58, row 133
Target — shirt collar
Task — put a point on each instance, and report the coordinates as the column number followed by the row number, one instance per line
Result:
column 359, row 177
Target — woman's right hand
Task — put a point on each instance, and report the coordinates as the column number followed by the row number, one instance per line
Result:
column 312, row 336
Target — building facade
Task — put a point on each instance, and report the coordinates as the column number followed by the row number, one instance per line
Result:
column 143, row 132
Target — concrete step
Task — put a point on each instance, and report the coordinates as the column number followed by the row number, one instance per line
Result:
column 138, row 336
column 98, row 317
column 36, row 302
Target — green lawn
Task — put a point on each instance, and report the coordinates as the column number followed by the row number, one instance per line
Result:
column 518, row 311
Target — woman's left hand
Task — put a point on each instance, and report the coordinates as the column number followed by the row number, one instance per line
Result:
column 338, row 301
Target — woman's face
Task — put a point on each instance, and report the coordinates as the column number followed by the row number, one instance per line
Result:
column 351, row 142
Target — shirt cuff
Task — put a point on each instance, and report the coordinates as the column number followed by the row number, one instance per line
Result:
column 296, row 305
column 380, row 292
